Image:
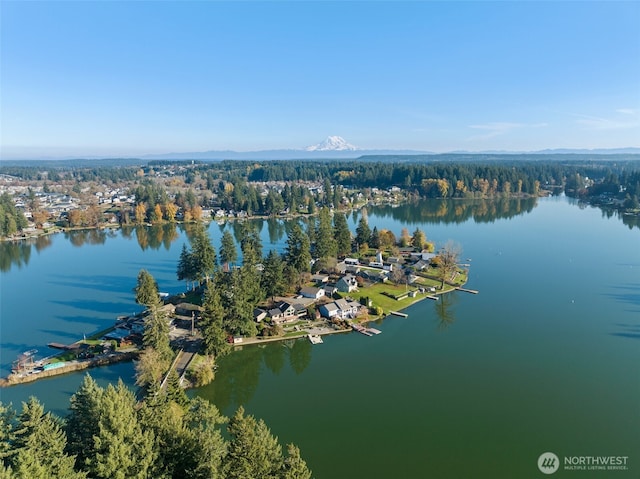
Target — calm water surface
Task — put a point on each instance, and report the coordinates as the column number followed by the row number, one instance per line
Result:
column 545, row 358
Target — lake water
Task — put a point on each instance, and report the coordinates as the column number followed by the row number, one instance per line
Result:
column 545, row 358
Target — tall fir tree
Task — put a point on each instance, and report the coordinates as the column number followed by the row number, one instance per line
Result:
column 363, row 233
column 203, row 254
column 273, row 275
column 123, row 450
column 326, row 246
column 147, row 290
column 342, row 234
column 214, row 337
column 228, row 252
column 298, row 253
column 82, row 424
column 39, row 446
column 253, row 451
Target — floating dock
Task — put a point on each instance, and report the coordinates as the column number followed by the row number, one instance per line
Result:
column 472, row 291
column 361, row 329
column 431, row 296
column 396, row 313
column 365, row 331
column 315, row 338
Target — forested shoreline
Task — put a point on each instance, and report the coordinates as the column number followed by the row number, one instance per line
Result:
column 170, row 191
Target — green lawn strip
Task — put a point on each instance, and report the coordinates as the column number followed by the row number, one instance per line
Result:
column 294, row 334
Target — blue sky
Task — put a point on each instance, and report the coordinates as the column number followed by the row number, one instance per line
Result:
column 129, row 78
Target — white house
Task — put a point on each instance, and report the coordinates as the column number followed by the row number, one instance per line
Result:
column 340, row 308
column 347, row 284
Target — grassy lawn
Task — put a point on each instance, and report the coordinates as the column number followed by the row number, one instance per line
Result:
column 375, row 292
column 294, row 334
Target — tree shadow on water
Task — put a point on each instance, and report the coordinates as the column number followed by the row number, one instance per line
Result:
column 631, row 331
column 628, row 294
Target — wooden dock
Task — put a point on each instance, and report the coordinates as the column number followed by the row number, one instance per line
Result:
column 315, row 338
column 396, row 313
column 432, row 296
column 361, row 329
column 472, row 291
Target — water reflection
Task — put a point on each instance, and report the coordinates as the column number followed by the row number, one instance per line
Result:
column 276, row 231
column 444, row 310
column 90, row 236
column 239, row 373
column 456, row 211
column 17, row 253
column 155, row 236
column 300, row 355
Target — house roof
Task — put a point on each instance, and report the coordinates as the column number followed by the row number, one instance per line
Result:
column 310, row 290
column 342, row 303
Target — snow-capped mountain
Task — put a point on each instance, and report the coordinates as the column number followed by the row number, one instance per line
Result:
column 332, row 143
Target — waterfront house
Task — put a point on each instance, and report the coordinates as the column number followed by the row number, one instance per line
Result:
column 285, row 312
column 347, row 284
column 340, row 308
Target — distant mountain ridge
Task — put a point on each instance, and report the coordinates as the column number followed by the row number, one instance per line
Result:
column 332, row 143
column 337, row 149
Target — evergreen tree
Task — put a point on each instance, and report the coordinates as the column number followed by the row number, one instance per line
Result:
column 6, row 431
column 123, row 450
column 374, row 241
column 251, row 246
column 175, row 392
column 156, row 334
column 214, row 337
column 228, row 252
column 253, row 451
column 203, row 254
column 326, row 246
column 272, row 280
column 39, row 446
column 363, row 233
column 206, row 447
column 419, row 239
column 238, row 318
column 82, row 421
column 297, row 253
column 294, row 466
column 342, row 234
column 147, row 290
column 185, row 270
